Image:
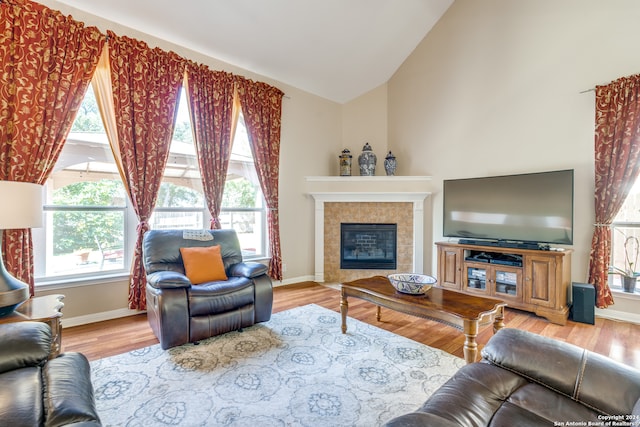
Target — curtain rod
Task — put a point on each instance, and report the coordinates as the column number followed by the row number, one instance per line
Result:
column 593, row 89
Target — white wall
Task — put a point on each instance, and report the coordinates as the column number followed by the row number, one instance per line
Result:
column 365, row 120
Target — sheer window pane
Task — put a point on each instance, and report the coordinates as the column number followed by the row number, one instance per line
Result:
column 178, row 196
column 167, row 220
column 625, row 226
column 243, row 207
column 180, row 203
column 85, row 242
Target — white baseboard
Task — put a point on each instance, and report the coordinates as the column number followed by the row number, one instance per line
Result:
column 623, row 316
column 98, row 317
column 291, row 280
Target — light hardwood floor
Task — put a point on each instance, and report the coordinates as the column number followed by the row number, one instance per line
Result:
column 618, row 340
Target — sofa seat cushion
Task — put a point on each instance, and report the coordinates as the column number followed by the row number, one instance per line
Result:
column 486, row 388
column 21, row 397
column 219, row 297
column 535, row 405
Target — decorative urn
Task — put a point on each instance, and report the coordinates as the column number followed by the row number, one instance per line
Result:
column 367, row 161
column 390, row 164
column 345, row 162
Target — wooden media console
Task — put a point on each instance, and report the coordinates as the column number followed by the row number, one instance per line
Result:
column 538, row 281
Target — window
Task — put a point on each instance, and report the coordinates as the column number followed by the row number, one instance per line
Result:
column 181, row 201
column 243, row 205
column 85, row 228
column 90, row 226
column 626, row 225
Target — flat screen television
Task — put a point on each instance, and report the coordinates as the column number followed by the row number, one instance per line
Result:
column 529, row 208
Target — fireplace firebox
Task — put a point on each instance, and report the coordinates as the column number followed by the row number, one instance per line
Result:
column 368, row 246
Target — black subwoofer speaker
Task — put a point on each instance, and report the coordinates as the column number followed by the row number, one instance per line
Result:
column 584, row 303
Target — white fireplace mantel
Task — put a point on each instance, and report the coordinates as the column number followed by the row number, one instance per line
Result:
column 417, row 198
column 370, row 179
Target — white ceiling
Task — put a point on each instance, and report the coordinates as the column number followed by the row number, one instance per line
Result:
column 337, row 49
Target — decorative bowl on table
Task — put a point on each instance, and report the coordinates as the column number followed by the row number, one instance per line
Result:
column 412, row 283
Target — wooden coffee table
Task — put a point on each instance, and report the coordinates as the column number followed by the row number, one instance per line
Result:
column 464, row 312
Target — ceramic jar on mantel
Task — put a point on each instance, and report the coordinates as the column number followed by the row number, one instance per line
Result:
column 345, row 162
column 390, row 164
column 367, row 161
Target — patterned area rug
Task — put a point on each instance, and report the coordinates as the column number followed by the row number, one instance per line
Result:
column 298, row 369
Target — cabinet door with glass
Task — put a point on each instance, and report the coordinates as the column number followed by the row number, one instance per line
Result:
column 507, row 283
column 476, row 278
column 503, row 282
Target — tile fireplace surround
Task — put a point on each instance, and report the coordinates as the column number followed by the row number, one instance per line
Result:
column 374, row 199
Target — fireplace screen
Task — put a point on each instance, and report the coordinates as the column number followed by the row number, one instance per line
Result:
column 368, row 246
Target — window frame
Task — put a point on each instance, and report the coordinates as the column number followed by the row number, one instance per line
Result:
column 40, row 255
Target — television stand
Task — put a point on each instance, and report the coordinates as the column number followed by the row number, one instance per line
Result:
column 535, row 280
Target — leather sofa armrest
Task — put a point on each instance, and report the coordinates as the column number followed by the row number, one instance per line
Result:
column 247, row 269
column 587, row 377
column 167, row 279
column 69, row 396
column 24, row 344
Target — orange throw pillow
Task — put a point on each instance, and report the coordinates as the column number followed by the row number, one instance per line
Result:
column 203, row 264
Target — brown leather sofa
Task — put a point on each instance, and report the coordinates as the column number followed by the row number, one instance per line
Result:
column 525, row 379
column 180, row 312
column 36, row 391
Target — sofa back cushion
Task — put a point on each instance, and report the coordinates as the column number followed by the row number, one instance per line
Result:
column 161, row 248
column 606, row 386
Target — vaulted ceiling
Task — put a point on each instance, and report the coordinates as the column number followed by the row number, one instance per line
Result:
column 336, row 49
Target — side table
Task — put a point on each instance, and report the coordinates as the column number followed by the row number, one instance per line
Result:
column 46, row 309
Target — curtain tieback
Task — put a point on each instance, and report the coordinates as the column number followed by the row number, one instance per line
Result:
column 602, row 225
column 143, row 226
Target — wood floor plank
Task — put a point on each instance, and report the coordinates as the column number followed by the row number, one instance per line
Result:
column 615, row 339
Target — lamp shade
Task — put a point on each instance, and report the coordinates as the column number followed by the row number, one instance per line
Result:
column 22, row 205
column 22, row 208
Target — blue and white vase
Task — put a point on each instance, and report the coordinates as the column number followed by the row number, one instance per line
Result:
column 390, row 164
column 367, row 161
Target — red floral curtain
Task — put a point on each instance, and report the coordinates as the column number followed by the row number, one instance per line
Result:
column 262, row 108
column 210, row 95
column 617, row 151
column 47, row 60
column 145, row 84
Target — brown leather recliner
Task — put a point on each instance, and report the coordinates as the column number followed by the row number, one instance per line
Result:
column 36, row 391
column 528, row 380
column 180, row 312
